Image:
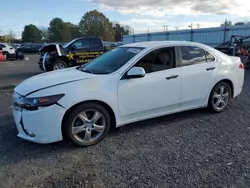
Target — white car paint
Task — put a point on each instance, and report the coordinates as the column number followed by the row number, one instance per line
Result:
column 8, row 48
column 131, row 100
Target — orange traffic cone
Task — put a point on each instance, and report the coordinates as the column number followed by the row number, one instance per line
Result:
column 2, row 57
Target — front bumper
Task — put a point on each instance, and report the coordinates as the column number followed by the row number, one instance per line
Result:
column 12, row 55
column 47, row 64
column 40, row 126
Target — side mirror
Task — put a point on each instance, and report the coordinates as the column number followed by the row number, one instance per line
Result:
column 136, row 72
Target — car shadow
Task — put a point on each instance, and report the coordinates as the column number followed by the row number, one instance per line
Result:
column 167, row 119
column 14, row 149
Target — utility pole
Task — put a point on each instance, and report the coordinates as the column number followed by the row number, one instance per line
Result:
column 191, row 31
column 225, row 30
column 165, row 27
column 176, row 28
column 198, row 25
column 191, row 26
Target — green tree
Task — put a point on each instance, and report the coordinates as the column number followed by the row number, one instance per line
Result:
column 45, row 34
column 11, row 36
column 129, row 29
column 227, row 23
column 31, row 34
column 74, row 30
column 119, row 31
column 95, row 23
column 239, row 23
column 58, row 31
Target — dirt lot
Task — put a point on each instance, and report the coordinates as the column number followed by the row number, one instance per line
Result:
column 190, row 149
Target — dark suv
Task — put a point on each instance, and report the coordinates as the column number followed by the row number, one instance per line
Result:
column 76, row 52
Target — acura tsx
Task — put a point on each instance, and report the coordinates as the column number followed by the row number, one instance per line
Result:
column 130, row 83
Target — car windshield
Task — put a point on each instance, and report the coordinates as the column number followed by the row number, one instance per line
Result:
column 69, row 43
column 111, row 61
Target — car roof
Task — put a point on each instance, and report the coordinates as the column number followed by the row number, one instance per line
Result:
column 88, row 38
column 153, row 44
column 6, row 44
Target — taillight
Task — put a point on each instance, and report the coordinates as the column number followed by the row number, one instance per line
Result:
column 241, row 66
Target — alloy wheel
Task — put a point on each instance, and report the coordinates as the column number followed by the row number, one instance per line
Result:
column 221, row 97
column 59, row 65
column 88, row 126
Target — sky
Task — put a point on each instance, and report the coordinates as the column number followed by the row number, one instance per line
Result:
column 141, row 15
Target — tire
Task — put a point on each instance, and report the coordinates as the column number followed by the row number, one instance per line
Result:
column 75, row 129
column 6, row 55
column 20, row 56
column 59, row 64
column 218, row 101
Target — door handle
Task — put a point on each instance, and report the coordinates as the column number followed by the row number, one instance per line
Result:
column 172, row 77
column 211, row 68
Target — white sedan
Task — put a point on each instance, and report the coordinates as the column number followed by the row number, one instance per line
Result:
column 130, row 83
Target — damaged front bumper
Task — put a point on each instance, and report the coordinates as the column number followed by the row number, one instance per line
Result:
column 48, row 54
column 40, row 126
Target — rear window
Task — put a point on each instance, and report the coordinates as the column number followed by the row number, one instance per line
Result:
column 210, row 57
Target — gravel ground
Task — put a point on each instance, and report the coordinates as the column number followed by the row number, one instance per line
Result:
column 190, row 149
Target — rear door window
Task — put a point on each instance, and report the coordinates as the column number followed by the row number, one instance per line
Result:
column 191, row 55
column 95, row 42
column 81, row 44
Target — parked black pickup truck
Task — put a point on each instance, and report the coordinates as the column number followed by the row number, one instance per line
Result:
column 76, row 52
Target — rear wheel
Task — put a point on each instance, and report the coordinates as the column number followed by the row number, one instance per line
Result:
column 220, row 97
column 59, row 64
column 86, row 125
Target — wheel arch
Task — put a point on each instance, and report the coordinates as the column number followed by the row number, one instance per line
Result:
column 63, row 58
column 105, row 105
column 229, row 82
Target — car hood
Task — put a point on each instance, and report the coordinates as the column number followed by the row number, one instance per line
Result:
column 51, row 79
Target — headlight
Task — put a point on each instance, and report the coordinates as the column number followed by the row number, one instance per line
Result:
column 35, row 103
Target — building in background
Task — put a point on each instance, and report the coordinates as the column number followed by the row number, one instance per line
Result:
column 210, row 36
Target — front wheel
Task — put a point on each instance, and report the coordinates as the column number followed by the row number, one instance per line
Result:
column 86, row 125
column 219, row 97
column 59, row 64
